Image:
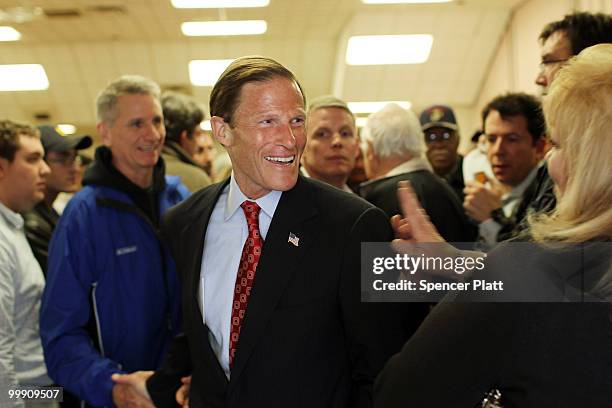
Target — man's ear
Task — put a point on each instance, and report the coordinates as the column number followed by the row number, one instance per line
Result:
column 184, row 136
column 4, row 163
column 221, row 131
column 104, row 132
column 540, row 148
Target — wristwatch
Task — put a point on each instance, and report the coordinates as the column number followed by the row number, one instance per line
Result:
column 499, row 217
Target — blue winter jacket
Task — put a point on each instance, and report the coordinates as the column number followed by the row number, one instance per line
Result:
column 111, row 302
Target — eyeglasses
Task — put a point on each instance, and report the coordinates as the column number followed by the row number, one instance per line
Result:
column 431, row 137
column 65, row 159
column 548, row 63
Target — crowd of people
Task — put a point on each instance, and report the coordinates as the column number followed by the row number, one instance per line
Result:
column 168, row 280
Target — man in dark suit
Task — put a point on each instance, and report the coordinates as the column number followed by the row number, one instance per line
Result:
column 271, row 291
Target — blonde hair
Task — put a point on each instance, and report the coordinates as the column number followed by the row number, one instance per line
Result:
column 578, row 111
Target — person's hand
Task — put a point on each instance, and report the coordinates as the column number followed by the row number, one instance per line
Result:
column 130, row 390
column 415, row 234
column 414, row 226
column 480, row 201
column 182, row 394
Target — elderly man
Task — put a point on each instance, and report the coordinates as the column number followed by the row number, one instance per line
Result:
column 182, row 118
column 393, row 151
column 269, row 262
column 111, row 303
column 61, row 155
column 442, row 140
column 333, row 142
column 22, row 185
column 515, row 128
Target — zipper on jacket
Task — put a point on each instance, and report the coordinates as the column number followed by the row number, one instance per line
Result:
column 97, row 317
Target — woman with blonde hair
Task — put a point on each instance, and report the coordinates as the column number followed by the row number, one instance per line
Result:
column 554, row 349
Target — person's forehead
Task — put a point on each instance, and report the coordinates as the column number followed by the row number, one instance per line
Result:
column 331, row 114
column 440, row 129
column 139, row 102
column 28, row 144
column 63, row 153
column 259, row 93
column 509, row 124
column 557, row 46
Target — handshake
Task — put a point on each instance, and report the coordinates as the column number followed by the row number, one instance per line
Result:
column 130, row 390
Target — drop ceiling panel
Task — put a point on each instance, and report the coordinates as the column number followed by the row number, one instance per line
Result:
column 82, row 54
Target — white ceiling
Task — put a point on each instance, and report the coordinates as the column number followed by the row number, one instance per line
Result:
column 82, row 53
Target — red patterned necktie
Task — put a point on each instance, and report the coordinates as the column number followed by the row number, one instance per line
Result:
column 246, row 274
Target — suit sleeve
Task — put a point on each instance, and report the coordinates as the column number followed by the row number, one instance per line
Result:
column 164, row 383
column 367, row 335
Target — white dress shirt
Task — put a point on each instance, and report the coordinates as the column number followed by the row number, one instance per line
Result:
column 225, row 237
column 489, row 229
column 21, row 287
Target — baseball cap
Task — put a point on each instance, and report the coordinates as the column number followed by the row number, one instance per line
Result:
column 438, row 116
column 54, row 140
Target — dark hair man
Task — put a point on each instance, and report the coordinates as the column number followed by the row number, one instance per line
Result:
column 277, row 322
column 515, row 128
column 61, row 155
column 560, row 41
column 22, row 185
column 182, row 118
column 111, row 303
column 565, row 38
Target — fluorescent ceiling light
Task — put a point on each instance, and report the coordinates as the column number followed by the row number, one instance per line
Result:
column 205, row 125
column 369, row 107
column 404, row 1
column 67, row 128
column 214, row 28
column 9, row 34
column 23, row 77
column 388, row 49
column 219, row 3
column 206, row 72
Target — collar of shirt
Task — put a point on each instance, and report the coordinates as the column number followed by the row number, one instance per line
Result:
column 517, row 192
column 236, row 197
column 11, row 217
column 414, row 164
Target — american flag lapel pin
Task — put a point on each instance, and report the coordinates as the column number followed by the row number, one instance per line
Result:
column 293, row 239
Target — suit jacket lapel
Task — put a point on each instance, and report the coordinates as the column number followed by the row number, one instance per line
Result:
column 192, row 238
column 276, row 266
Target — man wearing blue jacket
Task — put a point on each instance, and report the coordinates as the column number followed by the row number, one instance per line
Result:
column 111, row 302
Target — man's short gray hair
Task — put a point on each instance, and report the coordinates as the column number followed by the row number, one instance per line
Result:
column 394, row 131
column 328, row 101
column 126, row 84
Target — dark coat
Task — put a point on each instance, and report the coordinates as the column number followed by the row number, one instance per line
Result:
column 306, row 340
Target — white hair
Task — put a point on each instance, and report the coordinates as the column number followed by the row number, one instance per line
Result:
column 394, row 131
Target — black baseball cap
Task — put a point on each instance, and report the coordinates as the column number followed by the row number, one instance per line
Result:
column 438, row 116
column 54, row 140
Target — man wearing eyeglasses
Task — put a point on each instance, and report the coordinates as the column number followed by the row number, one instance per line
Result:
column 560, row 41
column 442, row 140
column 565, row 38
column 61, row 155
